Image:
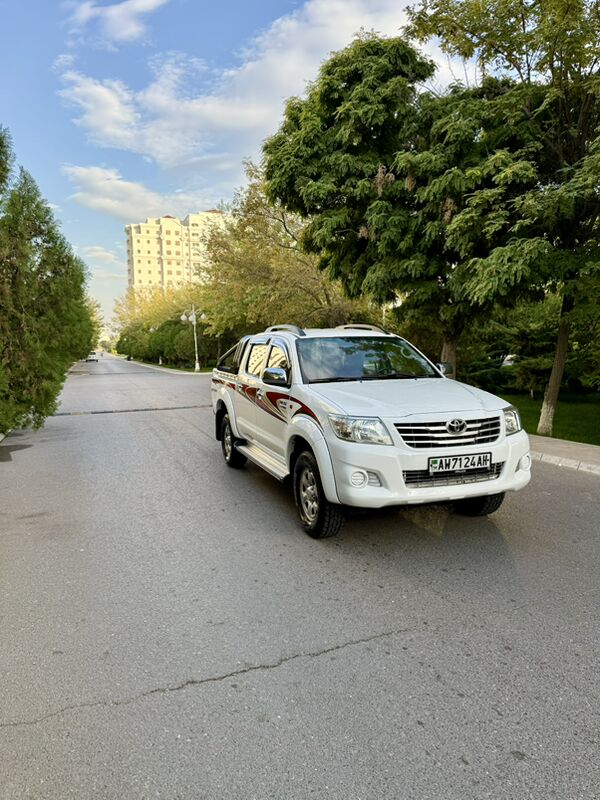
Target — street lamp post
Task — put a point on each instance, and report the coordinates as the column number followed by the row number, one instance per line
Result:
column 190, row 316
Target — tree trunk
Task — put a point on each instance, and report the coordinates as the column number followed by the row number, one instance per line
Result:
column 544, row 427
column 449, row 354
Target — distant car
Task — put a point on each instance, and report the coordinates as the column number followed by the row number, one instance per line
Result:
column 92, row 357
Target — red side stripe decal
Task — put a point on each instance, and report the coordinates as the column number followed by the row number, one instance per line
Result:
column 269, row 402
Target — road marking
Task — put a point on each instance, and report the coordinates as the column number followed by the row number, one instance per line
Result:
column 126, row 410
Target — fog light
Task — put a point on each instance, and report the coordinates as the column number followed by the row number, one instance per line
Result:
column 525, row 462
column 374, row 479
column 358, row 479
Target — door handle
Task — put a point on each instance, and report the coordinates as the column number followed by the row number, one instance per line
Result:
column 260, row 394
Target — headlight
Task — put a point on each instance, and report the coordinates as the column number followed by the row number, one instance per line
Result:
column 512, row 421
column 370, row 430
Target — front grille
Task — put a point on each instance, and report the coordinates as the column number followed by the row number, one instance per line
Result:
column 423, row 479
column 435, row 434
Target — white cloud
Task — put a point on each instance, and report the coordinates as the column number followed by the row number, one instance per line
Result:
column 63, row 61
column 180, row 121
column 107, row 108
column 118, row 22
column 100, row 274
column 201, row 125
column 104, row 190
column 95, row 253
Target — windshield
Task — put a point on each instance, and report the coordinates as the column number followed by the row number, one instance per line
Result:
column 360, row 358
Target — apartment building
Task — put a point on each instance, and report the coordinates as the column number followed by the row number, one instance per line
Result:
column 166, row 251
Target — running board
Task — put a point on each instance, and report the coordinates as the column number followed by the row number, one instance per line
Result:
column 264, row 460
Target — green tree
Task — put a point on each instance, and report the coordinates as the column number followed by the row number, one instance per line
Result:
column 379, row 169
column 46, row 321
column 150, row 328
column 542, row 198
column 447, row 158
column 258, row 274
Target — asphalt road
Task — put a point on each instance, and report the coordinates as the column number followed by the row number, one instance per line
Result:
column 168, row 631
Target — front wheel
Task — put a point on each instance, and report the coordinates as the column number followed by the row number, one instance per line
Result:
column 479, row 506
column 320, row 518
column 233, row 457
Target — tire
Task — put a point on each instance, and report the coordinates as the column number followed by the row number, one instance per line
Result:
column 319, row 518
column 233, row 458
column 479, row 506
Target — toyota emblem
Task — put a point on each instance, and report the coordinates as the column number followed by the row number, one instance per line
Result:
column 456, row 426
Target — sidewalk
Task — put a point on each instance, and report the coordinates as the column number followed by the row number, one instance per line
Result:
column 574, row 455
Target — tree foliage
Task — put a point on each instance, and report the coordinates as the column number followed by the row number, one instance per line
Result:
column 329, row 161
column 543, row 40
column 452, row 204
column 527, row 333
column 150, row 327
column 46, row 321
column 380, row 170
column 258, row 274
column 545, row 219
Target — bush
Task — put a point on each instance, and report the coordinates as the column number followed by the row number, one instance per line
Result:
column 46, row 321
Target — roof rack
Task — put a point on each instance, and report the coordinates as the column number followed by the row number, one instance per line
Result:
column 362, row 326
column 289, row 328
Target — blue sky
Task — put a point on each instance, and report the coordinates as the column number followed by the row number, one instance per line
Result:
column 123, row 110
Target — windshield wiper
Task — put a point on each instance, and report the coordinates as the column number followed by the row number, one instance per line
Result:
column 386, row 376
column 334, row 380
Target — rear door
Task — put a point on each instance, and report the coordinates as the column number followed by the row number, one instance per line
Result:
column 247, row 387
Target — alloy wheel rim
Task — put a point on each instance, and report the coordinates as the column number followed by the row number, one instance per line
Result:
column 309, row 495
column 227, row 443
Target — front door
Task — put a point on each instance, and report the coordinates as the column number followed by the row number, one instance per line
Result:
column 272, row 405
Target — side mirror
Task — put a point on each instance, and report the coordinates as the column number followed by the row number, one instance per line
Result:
column 276, row 376
column 445, row 367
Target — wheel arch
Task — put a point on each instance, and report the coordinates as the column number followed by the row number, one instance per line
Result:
column 222, row 407
column 296, row 445
column 306, row 435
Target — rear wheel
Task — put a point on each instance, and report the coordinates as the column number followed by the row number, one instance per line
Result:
column 320, row 518
column 479, row 506
column 232, row 457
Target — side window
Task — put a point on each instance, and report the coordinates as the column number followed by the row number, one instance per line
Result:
column 278, row 358
column 228, row 362
column 256, row 356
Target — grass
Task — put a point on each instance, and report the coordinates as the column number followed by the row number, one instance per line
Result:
column 576, row 419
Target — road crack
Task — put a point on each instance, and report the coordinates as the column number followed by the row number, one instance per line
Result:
column 127, row 410
column 211, row 679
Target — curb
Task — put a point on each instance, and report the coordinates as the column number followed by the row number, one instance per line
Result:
column 569, row 463
column 163, row 369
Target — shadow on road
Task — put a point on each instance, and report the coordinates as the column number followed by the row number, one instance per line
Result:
column 7, row 449
column 430, row 536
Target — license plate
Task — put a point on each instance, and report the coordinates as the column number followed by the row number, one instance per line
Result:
column 460, row 463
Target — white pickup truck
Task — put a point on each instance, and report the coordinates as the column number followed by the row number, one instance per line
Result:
column 356, row 416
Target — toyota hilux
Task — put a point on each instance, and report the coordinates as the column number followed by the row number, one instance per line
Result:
column 356, row 416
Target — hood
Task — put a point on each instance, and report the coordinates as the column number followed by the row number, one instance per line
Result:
column 406, row 397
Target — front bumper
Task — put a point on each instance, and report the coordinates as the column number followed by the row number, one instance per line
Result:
column 389, row 463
